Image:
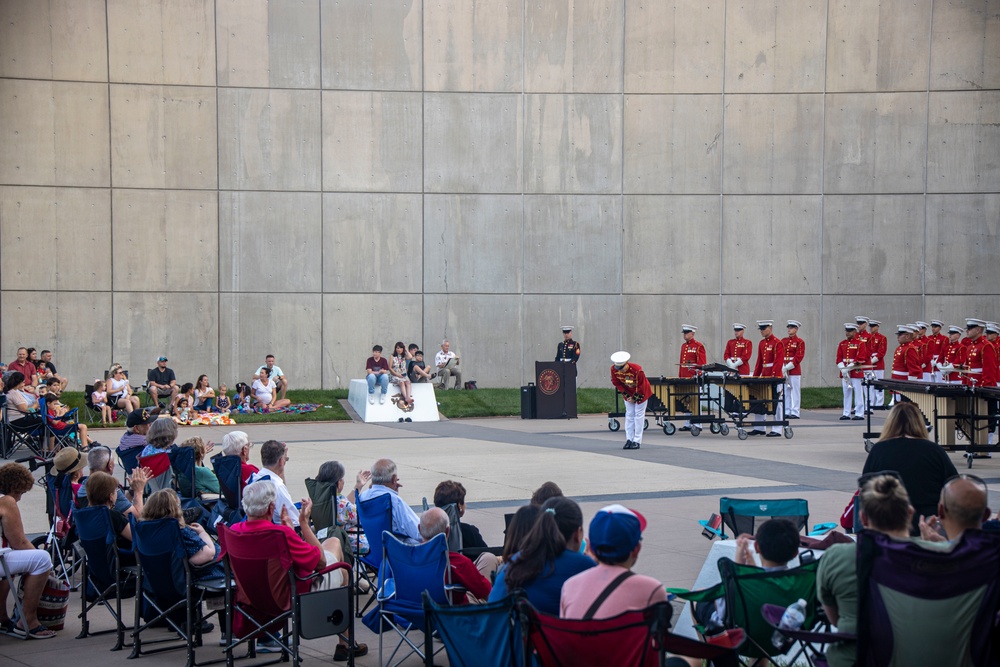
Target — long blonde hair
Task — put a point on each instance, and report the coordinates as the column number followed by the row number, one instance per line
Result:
column 162, row 504
column 904, row 420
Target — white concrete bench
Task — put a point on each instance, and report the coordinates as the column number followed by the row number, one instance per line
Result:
column 425, row 407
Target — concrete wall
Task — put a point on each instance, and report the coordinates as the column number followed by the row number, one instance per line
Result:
column 216, row 180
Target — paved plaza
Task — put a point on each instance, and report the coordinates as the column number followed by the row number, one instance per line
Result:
column 673, row 480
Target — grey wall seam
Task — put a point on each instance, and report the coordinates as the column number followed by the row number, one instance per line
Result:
column 624, row 143
column 927, row 154
column 722, row 185
column 218, row 205
column 822, row 188
column 111, row 184
column 322, row 212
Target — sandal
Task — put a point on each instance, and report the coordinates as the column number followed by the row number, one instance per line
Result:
column 7, row 628
column 37, row 632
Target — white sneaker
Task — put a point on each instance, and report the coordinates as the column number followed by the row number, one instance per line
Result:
column 381, row 399
column 371, row 399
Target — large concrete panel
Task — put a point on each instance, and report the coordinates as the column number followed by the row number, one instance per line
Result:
column 769, row 245
column 774, row 144
column 472, row 243
column 182, row 326
column 954, row 308
column 353, row 323
column 573, row 143
column 888, row 309
column 164, row 137
column 271, row 242
column 672, row 144
column 292, row 333
column 875, row 143
column 472, row 143
column 674, row 46
column 373, row 45
column 873, row 244
column 652, row 328
column 268, row 139
column 963, row 142
column 775, row 46
column 53, row 39
column 68, row 228
column 573, row 46
column 877, row 45
column 965, row 45
column 372, row 243
column 473, row 45
column 74, row 325
column 54, row 133
column 484, row 330
column 672, row 244
column 572, row 244
column 747, row 309
column 268, row 43
column 372, row 141
column 165, row 241
column 150, row 41
column 963, row 235
column 597, row 327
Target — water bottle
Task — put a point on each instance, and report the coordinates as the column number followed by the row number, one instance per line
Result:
column 792, row 619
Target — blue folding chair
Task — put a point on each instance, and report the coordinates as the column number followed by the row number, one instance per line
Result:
column 167, row 586
column 374, row 518
column 60, row 505
column 31, row 436
column 65, row 436
column 229, row 508
column 478, row 635
column 105, row 579
column 408, row 572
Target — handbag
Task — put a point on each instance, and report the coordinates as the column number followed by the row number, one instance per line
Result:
column 54, row 603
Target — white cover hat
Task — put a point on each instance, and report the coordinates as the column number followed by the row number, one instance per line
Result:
column 794, row 323
column 620, row 358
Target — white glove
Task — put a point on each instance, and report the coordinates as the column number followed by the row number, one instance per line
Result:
column 934, row 359
column 946, row 368
column 841, row 365
column 733, row 363
column 844, row 373
column 789, row 366
column 874, row 358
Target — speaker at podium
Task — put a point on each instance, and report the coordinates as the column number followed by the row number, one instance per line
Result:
column 555, row 390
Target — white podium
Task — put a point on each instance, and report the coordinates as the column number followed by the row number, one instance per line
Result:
column 425, row 408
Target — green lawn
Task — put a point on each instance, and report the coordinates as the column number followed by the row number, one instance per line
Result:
column 457, row 404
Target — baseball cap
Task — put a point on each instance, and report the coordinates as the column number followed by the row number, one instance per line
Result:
column 615, row 531
column 161, row 358
column 144, row 416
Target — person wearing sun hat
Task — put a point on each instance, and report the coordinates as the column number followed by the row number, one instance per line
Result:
column 629, row 379
column 795, row 352
column 615, row 539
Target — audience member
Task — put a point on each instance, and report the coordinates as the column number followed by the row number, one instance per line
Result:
column 273, row 457
column 68, row 466
column 417, row 369
column 921, row 463
column 183, row 413
column 102, row 491
column 23, row 366
column 265, row 392
column 46, row 358
column 99, row 399
column 204, row 395
column 450, row 492
column 32, row 564
column 275, row 373
column 160, row 437
column 136, row 427
column 405, row 522
column 200, row 548
column 549, row 555
column 544, row 492
column 963, row 506
column 520, row 525
column 99, row 459
column 186, row 394
column 332, row 472
column 222, row 402
column 397, row 372
column 237, row 443
column 377, row 372
column 447, row 366
column 205, row 480
column 22, row 405
column 244, row 398
column 120, row 392
column 463, row 572
column 161, row 383
column 54, row 413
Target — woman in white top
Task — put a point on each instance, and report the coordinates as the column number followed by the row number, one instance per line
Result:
column 204, row 395
column 120, row 392
column 23, row 404
column 397, row 366
column 266, row 392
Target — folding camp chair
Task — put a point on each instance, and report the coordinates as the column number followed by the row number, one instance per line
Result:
column 374, row 518
column 269, row 595
column 31, row 437
column 229, row 508
column 197, row 507
column 454, row 525
column 64, row 436
column 6, row 573
column 408, row 571
column 93, row 412
column 746, row 589
column 742, row 515
column 163, row 473
column 902, row 585
column 105, row 579
column 812, row 642
column 479, row 635
column 167, row 587
column 58, row 541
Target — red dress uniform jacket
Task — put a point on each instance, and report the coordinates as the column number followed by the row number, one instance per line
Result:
column 906, row 363
column 954, row 354
column 863, row 337
column 770, row 358
column 795, row 352
column 692, row 352
column 920, row 343
column 878, row 345
column 743, row 349
column 631, row 382
column 853, row 351
column 982, row 363
column 936, row 345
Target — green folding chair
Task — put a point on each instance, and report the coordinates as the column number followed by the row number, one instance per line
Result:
column 741, row 515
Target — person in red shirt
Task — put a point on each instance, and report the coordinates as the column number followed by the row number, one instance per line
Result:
column 953, row 357
column 25, row 367
column 852, row 353
column 795, row 352
column 878, row 345
column 464, row 572
column 693, row 356
column 630, row 380
column 770, row 363
column 237, row 443
column 937, row 343
column 739, row 350
column 981, row 366
column 920, row 342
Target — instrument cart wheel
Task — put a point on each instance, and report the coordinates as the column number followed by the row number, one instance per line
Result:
column 868, row 446
column 695, row 430
column 724, row 429
column 614, row 425
column 669, row 428
column 969, row 457
column 742, row 434
column 788, row 432
column 714, row 428
column 645, row 424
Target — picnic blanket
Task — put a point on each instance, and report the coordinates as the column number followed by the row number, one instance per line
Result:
column 296, row 409
column 212, row 419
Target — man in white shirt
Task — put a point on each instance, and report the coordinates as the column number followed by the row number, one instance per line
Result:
column 273, row 457
column 447, row 365
column 405, row 522
column 280, row 381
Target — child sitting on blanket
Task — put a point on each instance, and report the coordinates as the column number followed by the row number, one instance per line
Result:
column 244, row 398
column 183, row 411
column 222, row 402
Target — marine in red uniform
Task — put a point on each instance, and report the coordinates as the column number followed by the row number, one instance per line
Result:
column 568, row 350
column 862, row 336
column 878, row 345
column 692, row 353
column 937, row 342
column 851, row 354
column 953, row 357
column 795, row 352
column 630, row 380
column 739, row 350
column 920, row 342
column 981, row 366
column 770, row 359
column 993, row 405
